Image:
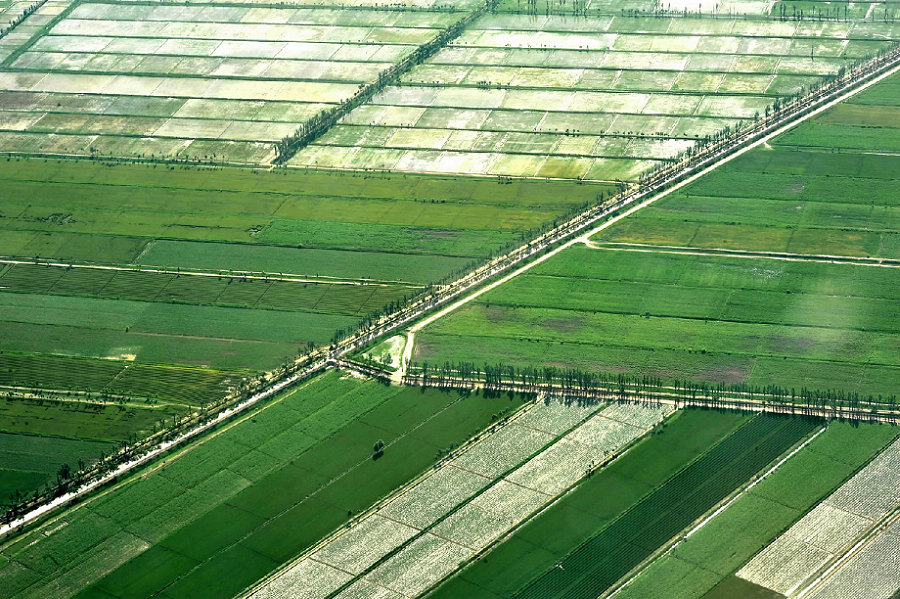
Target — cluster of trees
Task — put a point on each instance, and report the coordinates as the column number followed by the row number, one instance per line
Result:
column 801, row 102
column 830, row 13
column 575, row 8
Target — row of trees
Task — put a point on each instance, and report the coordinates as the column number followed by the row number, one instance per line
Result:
column 598, row 386
column 318, row 124
column 24, row 15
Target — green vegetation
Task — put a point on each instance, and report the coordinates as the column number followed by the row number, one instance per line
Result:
column 707, row 558
column 96, row 212
column 640, row 301
column 326, row 229
column 657, row 517
column 259, row 492
column 609, row 509
column 80, row 419
column 27, row 462
column 732, row 320
column 180, row 384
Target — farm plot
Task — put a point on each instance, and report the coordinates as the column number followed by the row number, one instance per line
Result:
column 593, row 567
column 427, row 530
column 692, row 288
column 563, row 98
column 706, row 559
column 39, row 436
column 394, row 228
column 610, row 511
column 260, row 492
column 121, row 377
column 872, row 573
column 826, row 187
column 831, row 528
column 217, row 83
column 11, row 11
column 540, row 8
column 297, row 258
column 711, row 318
column 27, row 461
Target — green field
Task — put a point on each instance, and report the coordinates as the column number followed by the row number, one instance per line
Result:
column 626, row 511
column 39, row 436
column 826, row 187
column 94, row 212
column 196, row 194
column 153, row 382
column 827, row 326
column 255, row 494
column 385, row 236
column 27, row 462
column 725, row 543
column 639, row 300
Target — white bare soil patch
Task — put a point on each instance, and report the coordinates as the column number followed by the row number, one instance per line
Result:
column 257, row 73
column 831, row 529
column 873, row 573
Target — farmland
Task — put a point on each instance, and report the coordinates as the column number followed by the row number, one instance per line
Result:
column 557, row 97
column 468, row 503
column 40, row 436
column 825, row 187
column 830, row 529
column 585, row 526
column 209, row 207
column 696, row 287
column 27, row 462
column 301, row 464
column 301, row 257
column 708, row 557
column 217, row 83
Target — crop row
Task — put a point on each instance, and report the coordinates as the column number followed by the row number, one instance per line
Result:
column 830, row 528
column 608, row 556
column 189, row 385
column 270, row 486
column 508, row 65
column 713, row 552
column 469, row 502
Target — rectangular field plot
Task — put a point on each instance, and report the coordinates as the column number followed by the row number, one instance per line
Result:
column 270, row 486
column 713, row 318
column 429, row 528
column 872, row 573
column 28, row 461
column 706, row 558
column 573, row 98
column 793, row 196
column 212, row 74
column 603, row 527
column 832, row 528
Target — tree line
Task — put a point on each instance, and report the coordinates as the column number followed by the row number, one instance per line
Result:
column 600, row 386
column 318, row 124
